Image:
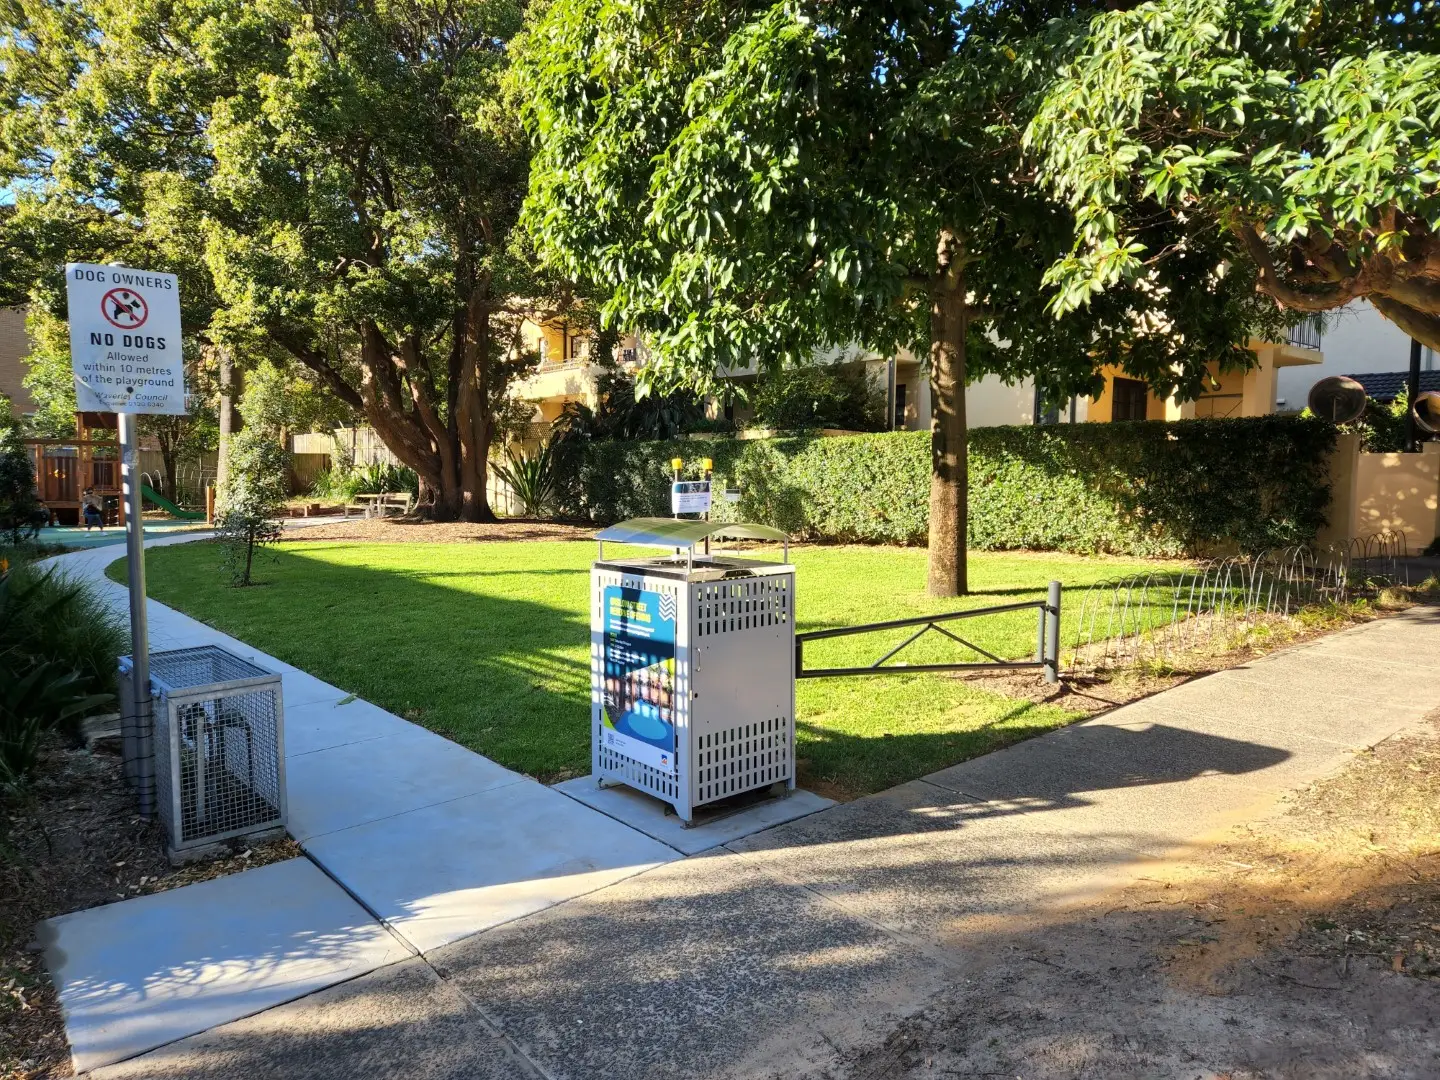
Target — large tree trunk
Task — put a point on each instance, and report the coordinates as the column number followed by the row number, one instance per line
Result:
column 169, row 456
column 949, row 481
column 474, row 410
column 446, row 442
column 232, row 385
column 1423, row 326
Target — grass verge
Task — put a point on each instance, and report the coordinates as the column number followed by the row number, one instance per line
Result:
column 489, row 644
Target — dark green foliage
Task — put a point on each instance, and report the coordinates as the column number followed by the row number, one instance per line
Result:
column 814, row 396
column 1147, row 488
column 58, row 649
column 621, row 414
column 33, row 703
column 20, row 506
column 532, row 478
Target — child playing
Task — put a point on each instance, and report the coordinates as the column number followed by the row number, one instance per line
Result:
column 92, row 508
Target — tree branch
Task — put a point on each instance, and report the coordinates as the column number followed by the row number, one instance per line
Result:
column 1420, row 325
column 1321, row 299
column 319, row 364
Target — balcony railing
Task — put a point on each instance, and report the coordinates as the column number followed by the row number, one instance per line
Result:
column 1306, row 333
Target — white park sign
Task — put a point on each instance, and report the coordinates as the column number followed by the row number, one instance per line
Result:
column 125, row 345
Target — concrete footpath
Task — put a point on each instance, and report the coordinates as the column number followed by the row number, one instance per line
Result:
column 413, row 842
column 784, row 953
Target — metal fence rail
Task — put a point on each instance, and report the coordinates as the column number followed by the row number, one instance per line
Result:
column 1047, row 641
column 1162, row 615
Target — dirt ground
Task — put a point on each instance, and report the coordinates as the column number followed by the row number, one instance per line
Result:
column 413, row 531
column 76, row 843
column 1305, row 945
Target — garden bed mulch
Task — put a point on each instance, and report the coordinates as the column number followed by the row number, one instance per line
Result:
column 73, row 843
column 416, row 531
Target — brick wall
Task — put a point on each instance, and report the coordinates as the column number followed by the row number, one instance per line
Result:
column 14, row 345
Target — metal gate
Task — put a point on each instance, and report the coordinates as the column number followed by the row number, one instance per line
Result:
column 1047, row 642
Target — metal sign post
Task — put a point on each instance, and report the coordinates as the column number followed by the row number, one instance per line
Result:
column 127, row 357
column 137, row 734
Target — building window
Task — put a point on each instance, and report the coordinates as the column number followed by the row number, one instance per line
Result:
column 1129, row 399
column 1041, row 414
column 899, row 406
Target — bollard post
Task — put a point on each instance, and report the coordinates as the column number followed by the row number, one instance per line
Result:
column 1052, row 637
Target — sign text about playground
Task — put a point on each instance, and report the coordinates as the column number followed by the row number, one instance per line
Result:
column 125, row 345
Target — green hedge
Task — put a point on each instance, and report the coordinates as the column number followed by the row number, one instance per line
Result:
column 1145, row 488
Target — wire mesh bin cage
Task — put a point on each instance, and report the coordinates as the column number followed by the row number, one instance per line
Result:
column 693, row 666
column 219, row 745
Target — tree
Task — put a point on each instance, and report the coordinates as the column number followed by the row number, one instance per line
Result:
column 254, row 495
column 764, row 181
column 622, row 413
column 1309, row 132
column 281, row 398
column 350, row 173
column 20, row 507
column 819, row 396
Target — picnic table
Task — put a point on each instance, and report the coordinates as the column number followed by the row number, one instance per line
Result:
column 380, row 505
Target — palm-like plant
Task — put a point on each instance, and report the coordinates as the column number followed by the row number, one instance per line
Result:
column 37, row 694
column 531, row 477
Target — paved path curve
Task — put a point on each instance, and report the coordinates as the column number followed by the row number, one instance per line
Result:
column 434, row 841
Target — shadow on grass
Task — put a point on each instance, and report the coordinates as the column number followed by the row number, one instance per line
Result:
column 505, row 676
column 840, row 765
column 508, row 676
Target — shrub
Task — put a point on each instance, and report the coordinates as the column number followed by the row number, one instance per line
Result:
column 385, row 478
column 531, row 477
column 58, row 648
column 1147, row 488
column 335, row 484
column 1382, row 426
column 21, row 510
column 621, row 412
column 818, row 396
column 254, row 495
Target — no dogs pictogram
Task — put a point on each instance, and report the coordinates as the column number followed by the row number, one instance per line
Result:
column 124, row 308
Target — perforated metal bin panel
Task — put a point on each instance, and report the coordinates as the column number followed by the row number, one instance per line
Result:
column 219, row 745
column 732, row 704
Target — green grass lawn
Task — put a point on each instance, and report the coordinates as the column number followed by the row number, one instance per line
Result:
column 488, row 643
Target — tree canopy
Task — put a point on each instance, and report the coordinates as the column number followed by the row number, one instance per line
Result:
column 344, row 181
column 1309, row 132
column 754, row 182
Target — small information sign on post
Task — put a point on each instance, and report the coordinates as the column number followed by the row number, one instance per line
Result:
column 127, row 355
column 690, row 497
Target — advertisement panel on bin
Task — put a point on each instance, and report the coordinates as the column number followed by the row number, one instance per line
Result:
column 638, row 692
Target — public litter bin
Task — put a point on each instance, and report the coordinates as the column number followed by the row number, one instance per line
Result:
column 692, row 660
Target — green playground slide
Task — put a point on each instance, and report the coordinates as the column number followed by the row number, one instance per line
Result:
column 153, row 496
